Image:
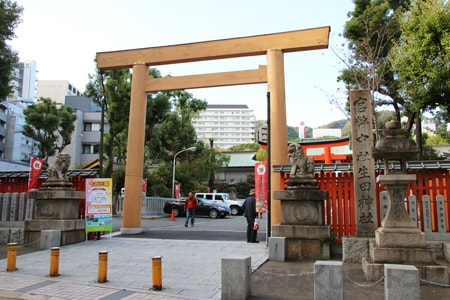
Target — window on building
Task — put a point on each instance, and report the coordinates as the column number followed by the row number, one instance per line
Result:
column 90, row 149
column 88, row 126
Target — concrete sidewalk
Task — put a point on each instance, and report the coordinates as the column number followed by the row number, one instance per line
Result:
column 190, row 269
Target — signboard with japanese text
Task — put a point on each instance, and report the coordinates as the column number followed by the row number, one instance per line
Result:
column 98, row 204
column 361, row 107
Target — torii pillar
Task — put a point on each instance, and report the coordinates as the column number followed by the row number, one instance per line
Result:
column 272, row 45
column 278, row 125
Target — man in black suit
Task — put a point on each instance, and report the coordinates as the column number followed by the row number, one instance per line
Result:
column 249, row 207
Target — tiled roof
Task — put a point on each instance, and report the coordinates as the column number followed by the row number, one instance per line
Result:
column 13, row 169
column 7, row 166
column 241, row 159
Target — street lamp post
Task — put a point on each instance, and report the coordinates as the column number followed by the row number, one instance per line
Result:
column 174, row 164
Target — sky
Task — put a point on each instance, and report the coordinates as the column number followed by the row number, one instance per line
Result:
column 63, row 38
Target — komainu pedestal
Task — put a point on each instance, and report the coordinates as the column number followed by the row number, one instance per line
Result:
column 302, row 220
column 56, row 208
column 302, row 224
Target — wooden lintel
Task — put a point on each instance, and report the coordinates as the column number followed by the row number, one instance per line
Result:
column 206, row 80
column 291, row 41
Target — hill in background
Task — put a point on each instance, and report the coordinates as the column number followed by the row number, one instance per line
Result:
column 292, row 131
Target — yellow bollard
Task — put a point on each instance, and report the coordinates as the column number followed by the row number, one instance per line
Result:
column 102, row 266
column 12, row 254
column 156, row 273
column 54, row 262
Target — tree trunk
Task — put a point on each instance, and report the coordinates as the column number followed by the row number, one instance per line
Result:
column 419, row 136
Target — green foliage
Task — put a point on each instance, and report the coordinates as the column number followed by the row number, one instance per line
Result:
column 208, row 161
column 441, row 137
column 192, row 171
column 242, row 189
column 118, row 178
column 328, row 239
column 158, row 180
column 10, row 18
column 245, row 147
column 51, row 126
column 430, row 154
column 169, row 123
column 422, row 56
column 399, row 49
column 111, row 89
column 168, row 127
column 371, row 32
column 261, row 154
column 338, row 124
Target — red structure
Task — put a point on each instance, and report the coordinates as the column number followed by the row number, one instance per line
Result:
column 17, row 182
column 324, row 151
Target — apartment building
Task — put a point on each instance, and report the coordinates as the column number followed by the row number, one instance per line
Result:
column 85, row 145
column 226, row 125
column 24, row 81
column 13, row 144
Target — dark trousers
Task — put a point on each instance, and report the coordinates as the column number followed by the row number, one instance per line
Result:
column 251, row 233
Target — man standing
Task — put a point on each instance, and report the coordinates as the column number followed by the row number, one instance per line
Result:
column 249, row 207
column 189, row 206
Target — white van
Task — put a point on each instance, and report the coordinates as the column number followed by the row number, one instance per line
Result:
column 223, row 198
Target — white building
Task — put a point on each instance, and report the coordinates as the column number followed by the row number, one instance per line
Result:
column 57, row 90
column 24, row 81
column 226, row 125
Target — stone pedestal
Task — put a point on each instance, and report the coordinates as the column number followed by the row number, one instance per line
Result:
column 302, row 223
column 55, row 209
column 399, row 241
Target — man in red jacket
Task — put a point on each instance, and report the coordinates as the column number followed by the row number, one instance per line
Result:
column 189, row 207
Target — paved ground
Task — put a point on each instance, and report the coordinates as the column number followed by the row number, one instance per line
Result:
column 295, row 280
column 191, row 269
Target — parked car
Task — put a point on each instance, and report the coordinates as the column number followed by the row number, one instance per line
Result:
column 223, row 199
column 205, row 207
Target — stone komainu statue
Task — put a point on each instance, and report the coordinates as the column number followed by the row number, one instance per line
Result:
column 302, row 169
column 298, row 160
column 59, row 169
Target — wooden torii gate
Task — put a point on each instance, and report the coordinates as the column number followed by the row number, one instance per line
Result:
column 271, row 45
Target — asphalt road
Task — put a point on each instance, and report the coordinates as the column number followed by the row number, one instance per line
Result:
column 231, row 228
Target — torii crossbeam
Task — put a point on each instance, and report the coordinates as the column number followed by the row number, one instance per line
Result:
column 272, row 45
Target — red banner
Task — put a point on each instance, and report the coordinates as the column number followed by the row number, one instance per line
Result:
column 35, row 171
column 261, row 178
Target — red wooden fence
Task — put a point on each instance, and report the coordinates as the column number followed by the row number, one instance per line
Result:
column 340, row 207
column 20, row 185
